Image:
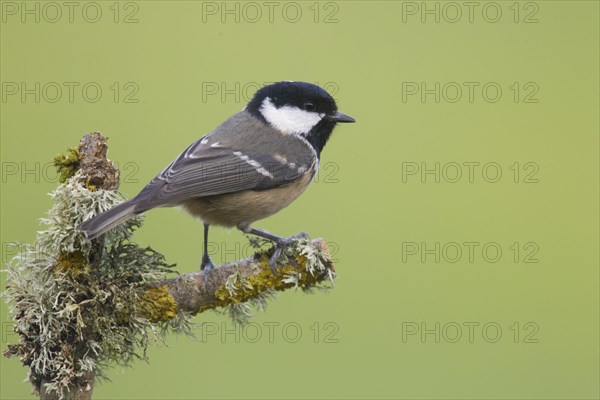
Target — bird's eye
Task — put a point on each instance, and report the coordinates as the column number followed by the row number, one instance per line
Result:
column 309, row 106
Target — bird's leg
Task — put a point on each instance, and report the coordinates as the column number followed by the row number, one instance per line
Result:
column 207, row 263
column 264, row 234
column 279, row 242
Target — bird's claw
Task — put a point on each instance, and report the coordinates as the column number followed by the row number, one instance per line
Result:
column 274, row 257
column 279, row 247
column 301, row 235
column 207, row 265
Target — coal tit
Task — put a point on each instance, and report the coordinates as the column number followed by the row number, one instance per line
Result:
column 251, row 166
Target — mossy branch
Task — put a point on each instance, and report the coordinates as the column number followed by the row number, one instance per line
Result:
column 305, row 264
column 97, row 172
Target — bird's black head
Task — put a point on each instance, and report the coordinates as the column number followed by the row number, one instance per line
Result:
column 298, row 108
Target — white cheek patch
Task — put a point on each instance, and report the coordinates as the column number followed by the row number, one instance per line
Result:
column 291, row 120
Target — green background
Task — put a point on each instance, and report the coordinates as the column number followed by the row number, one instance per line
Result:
column 361, row 203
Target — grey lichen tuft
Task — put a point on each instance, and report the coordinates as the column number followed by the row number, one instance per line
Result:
column 71, row 317
column 240, row 313
column 312, row 264
column 73, row 204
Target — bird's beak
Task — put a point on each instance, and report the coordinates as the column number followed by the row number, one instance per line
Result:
column 340, row 117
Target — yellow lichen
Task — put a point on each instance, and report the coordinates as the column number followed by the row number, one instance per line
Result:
column 67, row 164
column 89, row 186
column 73, row 263
column 157, row 305
column 258, row 283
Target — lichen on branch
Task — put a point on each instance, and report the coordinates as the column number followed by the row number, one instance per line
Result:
column 79, row 306
column 244, row 284
column 74, row 316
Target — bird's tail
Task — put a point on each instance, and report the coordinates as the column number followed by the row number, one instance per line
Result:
column 96, row 226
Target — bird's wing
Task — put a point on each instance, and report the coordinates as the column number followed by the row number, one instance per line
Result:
column 225, row 161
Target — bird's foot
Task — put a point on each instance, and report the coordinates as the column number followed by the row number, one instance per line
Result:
column 207, row 265
column 280, row 245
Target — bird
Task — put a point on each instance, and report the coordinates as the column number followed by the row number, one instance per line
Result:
column 256, row 163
